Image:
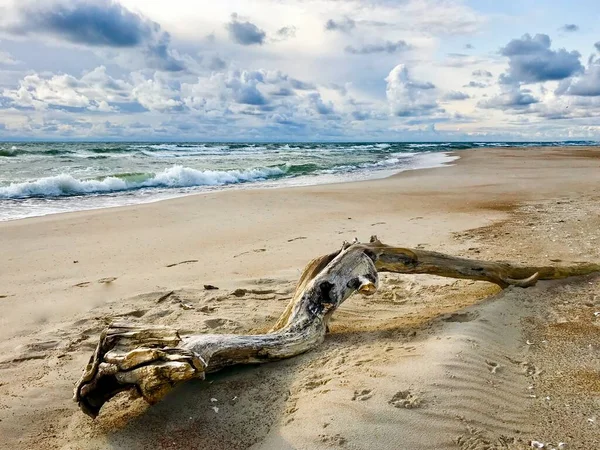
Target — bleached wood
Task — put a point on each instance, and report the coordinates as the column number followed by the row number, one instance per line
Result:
column 150, row 360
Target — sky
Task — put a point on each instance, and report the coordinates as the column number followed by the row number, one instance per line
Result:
column 300, row 70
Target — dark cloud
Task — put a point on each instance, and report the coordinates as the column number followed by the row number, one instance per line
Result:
column 244, row 87
column 250, row 95
column 360, row 115
column 469, row 47
column 97, row 23
column 217, row 63
column 102, row 23
column 475, row 84
column 319, row 105
column 301, row 85
column 388, row 47
column 597, row 45
column 245, row 33
column 511, row 98
column 570, row 28
column 586, row 85
column 531, row 60
column 283, row 92
column 286, row 32
column 456, row 95
column 346, row 25
column 482, row 73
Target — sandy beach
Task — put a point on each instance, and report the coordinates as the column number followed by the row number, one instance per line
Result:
column 425, row 363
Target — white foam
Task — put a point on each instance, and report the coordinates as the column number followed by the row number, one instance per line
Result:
column 176, row 176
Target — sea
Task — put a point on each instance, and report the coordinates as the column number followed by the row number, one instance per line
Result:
column 40, row 178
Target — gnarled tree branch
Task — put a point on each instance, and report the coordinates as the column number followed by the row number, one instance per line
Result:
column 150, row 360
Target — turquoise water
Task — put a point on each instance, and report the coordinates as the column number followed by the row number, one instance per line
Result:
column 44, row 178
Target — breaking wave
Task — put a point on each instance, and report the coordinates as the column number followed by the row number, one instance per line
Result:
column 173, row 177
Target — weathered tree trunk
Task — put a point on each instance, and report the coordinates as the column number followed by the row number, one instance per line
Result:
column 150, row 360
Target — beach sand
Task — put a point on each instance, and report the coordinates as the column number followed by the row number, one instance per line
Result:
column 426, row 363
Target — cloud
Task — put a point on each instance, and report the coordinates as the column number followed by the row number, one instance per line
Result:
column 95, row 23
column 475, row 84
column 512, row 97
column 94, row 90
column 345, row 25
column 482, row 73
column 531, row 60
column 569, row 28
column 597, row 45
column 7, row 59
column 156, row 94
column 217, row 63
column 319, row 105
column 409, row 97
column 469, row 46
column 244, row 87
column 585, row 85
column 301, row 85
column 387, row 47
column 456, row 95
column 284, row 33
column 245, row 33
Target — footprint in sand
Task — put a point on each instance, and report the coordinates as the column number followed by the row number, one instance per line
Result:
column 362, row 395
column 107, row 280
column 82, row 284
column 258, row 250
column 405, row 399
column 3, row 296
column 492, row 366
column 188, row 261
column 336, row 439
column 297, row 238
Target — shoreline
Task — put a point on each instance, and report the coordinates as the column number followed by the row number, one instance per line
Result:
column 65, row 276
column 283, row 183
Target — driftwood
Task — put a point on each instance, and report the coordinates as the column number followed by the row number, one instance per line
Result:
column 150, row 360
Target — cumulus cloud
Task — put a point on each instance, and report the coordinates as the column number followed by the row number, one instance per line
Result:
column 482, row 73
column 387, row 47
column 245, row 33
column 475, row 84
column 409, row 97
column 94, row 90
column 319, row 105
column 456, row 95
column 156, row 94
column 531, row 60
column 569, row 28
column 512, row 97
column 95, row 23
column 244, row 86
column 585, row 85
column 345, row 25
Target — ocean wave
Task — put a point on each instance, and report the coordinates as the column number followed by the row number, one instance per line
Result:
column 173, row 177
column 15, row 151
